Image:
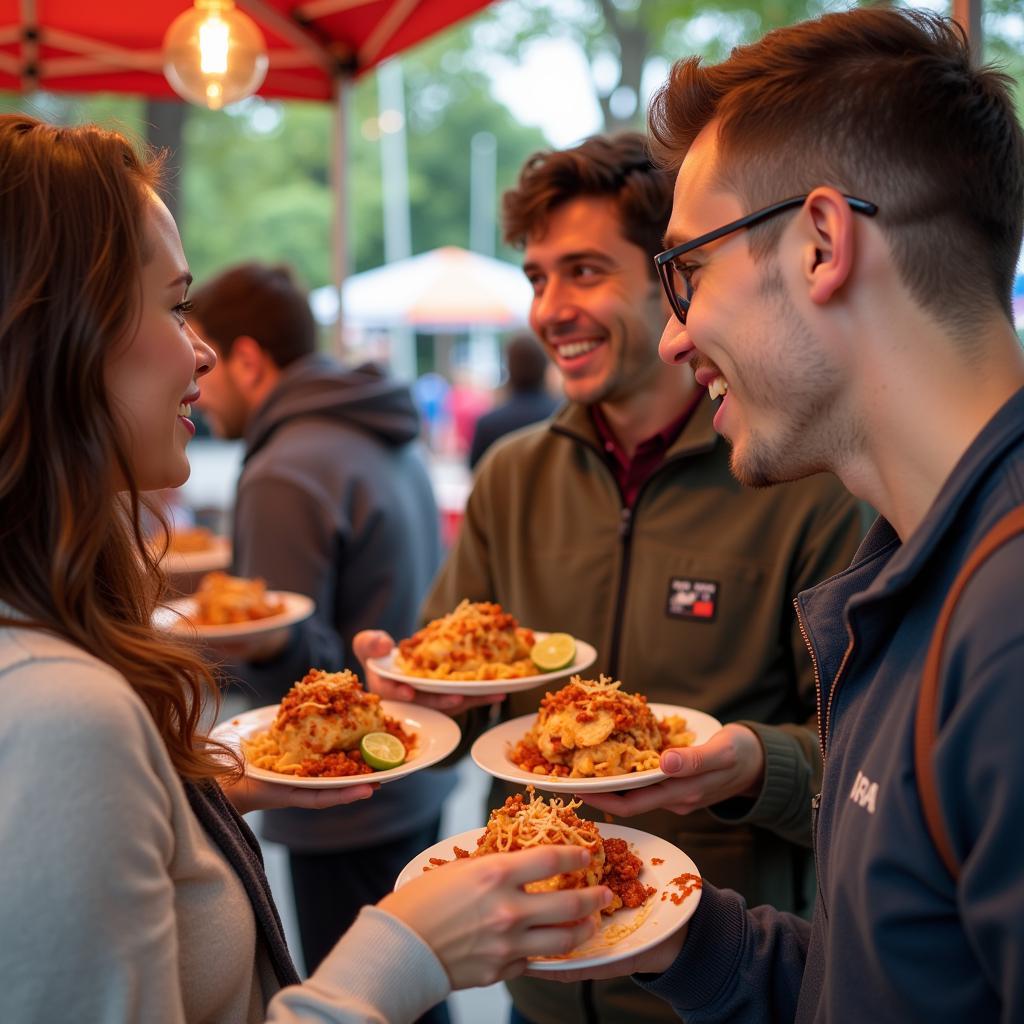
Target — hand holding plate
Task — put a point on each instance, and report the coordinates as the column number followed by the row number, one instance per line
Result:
column 375, row 643
column 729, row 764
column 480, row 923
column 249, row 794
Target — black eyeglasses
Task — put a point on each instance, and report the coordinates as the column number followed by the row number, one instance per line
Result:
column 677, row 282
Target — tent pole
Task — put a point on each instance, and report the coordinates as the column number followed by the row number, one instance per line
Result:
column 394, row 167
column 29, row 69
column 968, row 14
column 339, row 179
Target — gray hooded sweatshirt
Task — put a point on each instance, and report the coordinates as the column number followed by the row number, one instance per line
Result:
column 334, row 501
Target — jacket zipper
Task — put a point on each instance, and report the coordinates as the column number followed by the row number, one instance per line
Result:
column 815, row 808
column 626, row 543
column 817, row 674
column 823, row 725
column 626, row 520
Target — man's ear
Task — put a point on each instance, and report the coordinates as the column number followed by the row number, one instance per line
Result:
column 827, row 244
column 248, row 361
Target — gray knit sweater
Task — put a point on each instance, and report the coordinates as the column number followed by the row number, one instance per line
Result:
column 116, row 905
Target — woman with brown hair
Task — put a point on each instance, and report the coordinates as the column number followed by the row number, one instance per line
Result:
column 130, row 888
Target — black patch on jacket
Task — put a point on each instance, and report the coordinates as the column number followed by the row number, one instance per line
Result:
column 692, row 599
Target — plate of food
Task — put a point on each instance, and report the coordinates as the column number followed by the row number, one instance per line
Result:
column 480, row 648
column 590, row 736
column 656, row 887
column 195, row 549
column 230, row 607
column 328, row 733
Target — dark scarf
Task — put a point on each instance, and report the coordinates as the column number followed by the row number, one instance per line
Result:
column 224, row 825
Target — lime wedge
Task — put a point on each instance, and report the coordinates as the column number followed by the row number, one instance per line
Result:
column 381, row 750
column 555, row 651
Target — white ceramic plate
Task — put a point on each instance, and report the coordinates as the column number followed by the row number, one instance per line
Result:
column 491, row 751
column 177, row 615
column 180, row 563
column 436, row 737
column 585, row 657
column 637, row 930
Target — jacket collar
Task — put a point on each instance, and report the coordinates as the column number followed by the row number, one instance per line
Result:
column 573, row 420
column 883, row 568
column 998, row 437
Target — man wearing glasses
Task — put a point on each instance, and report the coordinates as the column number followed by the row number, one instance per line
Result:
column 619, row 522
column 864, row 326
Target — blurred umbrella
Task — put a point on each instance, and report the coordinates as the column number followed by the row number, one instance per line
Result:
column 446, row 289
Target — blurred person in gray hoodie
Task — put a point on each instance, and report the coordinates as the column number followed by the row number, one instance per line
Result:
column 334, row 502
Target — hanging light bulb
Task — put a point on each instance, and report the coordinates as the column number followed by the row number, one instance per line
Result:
column 214, row 54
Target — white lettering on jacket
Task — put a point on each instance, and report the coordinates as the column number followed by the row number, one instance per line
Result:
column 864, row 792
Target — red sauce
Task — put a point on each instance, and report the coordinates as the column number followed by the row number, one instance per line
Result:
column 686, row 883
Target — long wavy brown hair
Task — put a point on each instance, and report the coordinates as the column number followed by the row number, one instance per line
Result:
column 73, row 557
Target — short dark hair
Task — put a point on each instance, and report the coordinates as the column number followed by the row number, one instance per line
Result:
column 527, row 362
column 261, row 301
column 618, row 167
column 879, row 103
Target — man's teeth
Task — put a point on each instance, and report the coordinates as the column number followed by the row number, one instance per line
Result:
column 718, row 387
column 576, row 348
column 185, row 409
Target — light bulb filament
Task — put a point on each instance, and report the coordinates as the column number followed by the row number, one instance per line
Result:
column 213, row 46
column 214, row 54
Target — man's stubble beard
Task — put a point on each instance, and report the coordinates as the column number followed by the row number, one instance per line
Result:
column 811, row 437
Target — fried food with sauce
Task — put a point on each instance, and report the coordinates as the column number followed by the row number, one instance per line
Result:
column 189, row 540
column 222, row 599
column 479, row 640
column 592, row 728
column 319, row 725
column 522, row 824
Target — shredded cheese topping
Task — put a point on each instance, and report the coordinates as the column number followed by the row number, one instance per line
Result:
column 479, row 640
column 592, row 728
column 519, row 825
column 318, row 727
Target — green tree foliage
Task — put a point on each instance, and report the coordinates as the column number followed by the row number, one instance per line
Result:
column 123, row 113
column 629, row 44
column 626, row 42
column 1003, row 39
column 257, row 179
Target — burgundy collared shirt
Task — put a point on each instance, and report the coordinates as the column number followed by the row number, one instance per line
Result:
column 631, row 473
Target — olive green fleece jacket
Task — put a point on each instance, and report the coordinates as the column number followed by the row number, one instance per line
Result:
column 546, row 535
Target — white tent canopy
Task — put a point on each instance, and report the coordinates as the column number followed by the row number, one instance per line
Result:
column 447, row 289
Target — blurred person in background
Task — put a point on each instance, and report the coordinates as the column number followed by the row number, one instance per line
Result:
column 131, row 889
column 467, row 400
column 619, row 522
column 333, row 502
column 528, row 399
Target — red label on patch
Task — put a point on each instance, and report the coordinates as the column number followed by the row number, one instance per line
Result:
column 692, row 599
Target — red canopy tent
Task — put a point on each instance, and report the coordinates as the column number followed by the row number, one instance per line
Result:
column 316, row 48
column 114, row 45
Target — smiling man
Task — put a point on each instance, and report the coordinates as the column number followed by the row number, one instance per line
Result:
column 844, row 236
column 618, row 521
